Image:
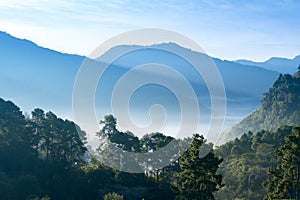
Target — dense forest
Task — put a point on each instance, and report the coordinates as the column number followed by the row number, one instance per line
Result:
column 45, row 157
column 261, row 165
column 280, row 106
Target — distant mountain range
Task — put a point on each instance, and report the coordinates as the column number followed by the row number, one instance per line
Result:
column 280, row 106
column 35, row 76
column 281, row 65
column 244, row 84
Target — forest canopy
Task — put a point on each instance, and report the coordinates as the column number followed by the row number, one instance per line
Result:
column 45, row 157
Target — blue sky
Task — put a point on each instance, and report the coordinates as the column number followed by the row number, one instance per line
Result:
column 227, row 29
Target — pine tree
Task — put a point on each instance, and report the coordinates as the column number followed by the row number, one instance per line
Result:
column 198, row 178
column 284, row 179
column 37, row 124
column 113, row 144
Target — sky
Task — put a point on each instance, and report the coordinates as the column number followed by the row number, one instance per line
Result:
column 227, row 29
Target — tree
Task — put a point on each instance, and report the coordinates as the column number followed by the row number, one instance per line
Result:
column 150, row 143
column 114, row 143
column 109, row 126
column 15, row 150
column 113, row 196
column 198, row 178
column 12, row 125
column 56, row 139
column 284, row 179
column 37, row 124
column 71, row 146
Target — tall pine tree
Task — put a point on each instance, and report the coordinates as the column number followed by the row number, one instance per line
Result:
column 198, row 178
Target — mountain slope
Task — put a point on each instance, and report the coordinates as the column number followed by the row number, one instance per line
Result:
column 244, row 84
column 281, row 65
column 35, row 76
column 280, row 106
column 238, row 78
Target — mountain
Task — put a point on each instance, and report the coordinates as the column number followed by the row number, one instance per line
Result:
column 35, row 76
column 281, row 65
column 244, row 84
column 280, row 106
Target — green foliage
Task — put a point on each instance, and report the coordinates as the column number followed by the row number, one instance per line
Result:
column 247, row 160
column 43, row 157
column 172, row 176
column 56, row 139
column 109, row 126
column 280, row 106
column 197, row 178
column 284, row 179
column 153, row 142
column 111, row 137
column 113, row 142
column 246, row 163
column 113, row 196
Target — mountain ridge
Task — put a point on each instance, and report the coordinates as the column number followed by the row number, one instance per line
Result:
column 5, row 35
column 33, row 75
column 121, row 49
column 279, row 64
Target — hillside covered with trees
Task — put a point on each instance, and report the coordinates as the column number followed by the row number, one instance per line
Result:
column 280, row 106
column 45, row 157
column 264, row 165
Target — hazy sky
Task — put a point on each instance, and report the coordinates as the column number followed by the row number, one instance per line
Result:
column 228, row 29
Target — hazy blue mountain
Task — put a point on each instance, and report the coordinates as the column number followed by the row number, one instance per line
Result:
column 36, row 76
column 244, row 84
column 281, row 65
